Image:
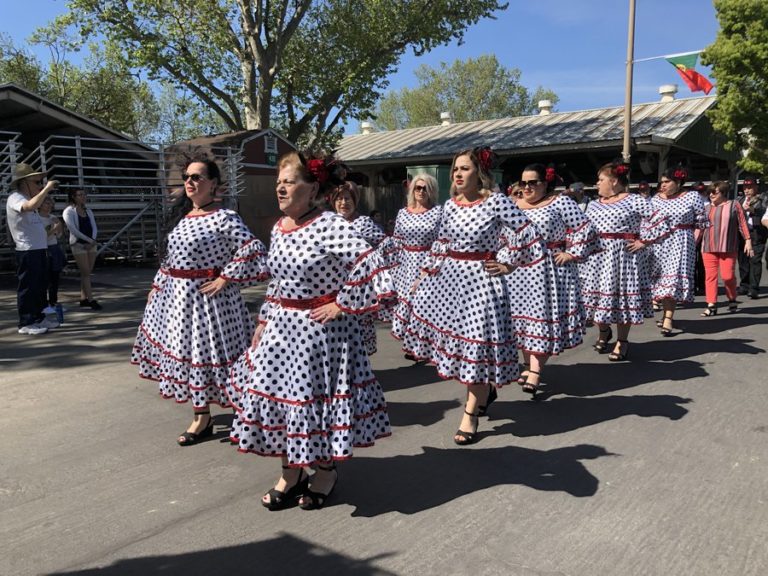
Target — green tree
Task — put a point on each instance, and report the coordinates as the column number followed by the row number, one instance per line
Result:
column 739, row 61
column 312, row 63
column 472, row 89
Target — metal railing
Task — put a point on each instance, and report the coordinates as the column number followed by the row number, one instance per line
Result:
column 128, row 183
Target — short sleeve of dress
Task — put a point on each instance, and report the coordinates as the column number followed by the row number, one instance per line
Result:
column 581, row 238
column 654, row 225
column 369, row 283
column 249, row 255
column 520, row 242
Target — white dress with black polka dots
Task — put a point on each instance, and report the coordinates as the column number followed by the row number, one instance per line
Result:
column 615, row 283
column 460, row 318
column 673, row 259
column 547, row 309
column 307, row 391
column 374, row 235
column 187, row 341
column 415, row 232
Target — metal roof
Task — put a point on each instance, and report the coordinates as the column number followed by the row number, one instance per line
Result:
column 657, row 122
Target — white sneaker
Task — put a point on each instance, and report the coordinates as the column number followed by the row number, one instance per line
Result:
column 33, row 329
column 49, row 310
column 48, row 323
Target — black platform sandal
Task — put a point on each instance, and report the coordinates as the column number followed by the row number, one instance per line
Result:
column 466, row 438
column 492, row 396
column 602, row 343
column 524, row 374
column 619, row 356
column 733, row 306
column 189, row 438
column 279, row 500
column 311, row 500
column 710, row 311
column 530, row 387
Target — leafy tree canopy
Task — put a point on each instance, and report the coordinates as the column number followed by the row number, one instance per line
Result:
column 472, row 89
column 310, row 64
column 739, row 61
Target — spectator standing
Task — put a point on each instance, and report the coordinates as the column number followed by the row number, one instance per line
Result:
column 28, row 232
column 754, row 204
column 54, row 228
column 82, row 241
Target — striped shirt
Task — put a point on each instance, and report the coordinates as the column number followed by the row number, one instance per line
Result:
column 726, row 221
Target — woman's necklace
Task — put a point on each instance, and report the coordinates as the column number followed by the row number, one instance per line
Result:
column 204, row 206
column 307, row 213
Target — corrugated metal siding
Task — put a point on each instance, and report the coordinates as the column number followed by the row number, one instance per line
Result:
column 667, row 120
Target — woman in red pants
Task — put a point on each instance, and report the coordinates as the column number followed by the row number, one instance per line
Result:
column 719, row 246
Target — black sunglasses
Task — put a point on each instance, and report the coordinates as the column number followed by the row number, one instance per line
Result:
column 531, row 183
column 419, row 188
column 194, row 177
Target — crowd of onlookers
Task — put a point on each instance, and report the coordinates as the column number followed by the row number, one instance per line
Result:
column 36, row 232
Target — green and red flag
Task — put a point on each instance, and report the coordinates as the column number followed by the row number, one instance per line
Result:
column 685, row 64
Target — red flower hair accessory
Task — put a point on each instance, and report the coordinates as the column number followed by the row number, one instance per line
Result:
column 318, row 169
column 680, row 173
column 485, row 158
column 550, row 175
column 621, row 169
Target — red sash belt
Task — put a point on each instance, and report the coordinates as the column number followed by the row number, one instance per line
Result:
column 415, row 248
column 619, row 236
column 199, row 273
column 308, row 303
column 556, row 245
column 685, row 227
column 471, row 255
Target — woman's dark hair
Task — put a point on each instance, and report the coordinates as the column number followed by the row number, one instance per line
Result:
column 324, row 169
column 71, row 195
column 546, row 174
column 618, row 170
column 348, row 186
column 677, row 173
column 182, row 205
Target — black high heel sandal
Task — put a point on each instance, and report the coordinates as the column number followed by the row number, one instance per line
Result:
column 710, row 311
column 619, row 356
column 530, row 387
column 316, row 500
column 189, row 438
column 524, row 374
column 492, row 396
column 279, row 500
column 466, row 438
column 664, row 330
column 602, row 343
column 733, row 306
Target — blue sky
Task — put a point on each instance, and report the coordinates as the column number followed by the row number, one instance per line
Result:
column 575, row 47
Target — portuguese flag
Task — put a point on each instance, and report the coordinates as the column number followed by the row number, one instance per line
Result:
column 685, row 64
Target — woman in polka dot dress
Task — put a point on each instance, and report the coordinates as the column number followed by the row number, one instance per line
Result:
column 460, row 316
column 416, row 229
column 196, row 323
column 614, row 281
column 674, row 258
column 304, row 391
column 549, row 315
column 344, row 200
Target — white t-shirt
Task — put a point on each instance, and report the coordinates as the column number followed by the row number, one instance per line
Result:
column 27, row 229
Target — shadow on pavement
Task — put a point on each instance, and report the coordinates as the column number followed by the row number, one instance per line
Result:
column 413, row 483
column 419, row 413
column 284, row 554
column 406, row 377
column 561, row 415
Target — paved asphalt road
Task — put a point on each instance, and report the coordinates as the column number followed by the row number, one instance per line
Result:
column 656, row 466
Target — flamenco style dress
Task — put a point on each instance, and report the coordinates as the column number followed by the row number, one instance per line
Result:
column 307, row 391
column 188, row 341
column 415, row 232
column 547, row 308
column 460, row 317
column 673, row 259
column 615, row 283
column 374, row 235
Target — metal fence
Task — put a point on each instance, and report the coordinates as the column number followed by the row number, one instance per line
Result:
column 129, row 185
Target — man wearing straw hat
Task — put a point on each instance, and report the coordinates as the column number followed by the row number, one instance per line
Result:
column 30, row 238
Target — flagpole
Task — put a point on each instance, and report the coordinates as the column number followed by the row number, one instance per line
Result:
column 626, row 152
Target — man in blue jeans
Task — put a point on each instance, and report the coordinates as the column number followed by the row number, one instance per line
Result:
column 30, row 238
